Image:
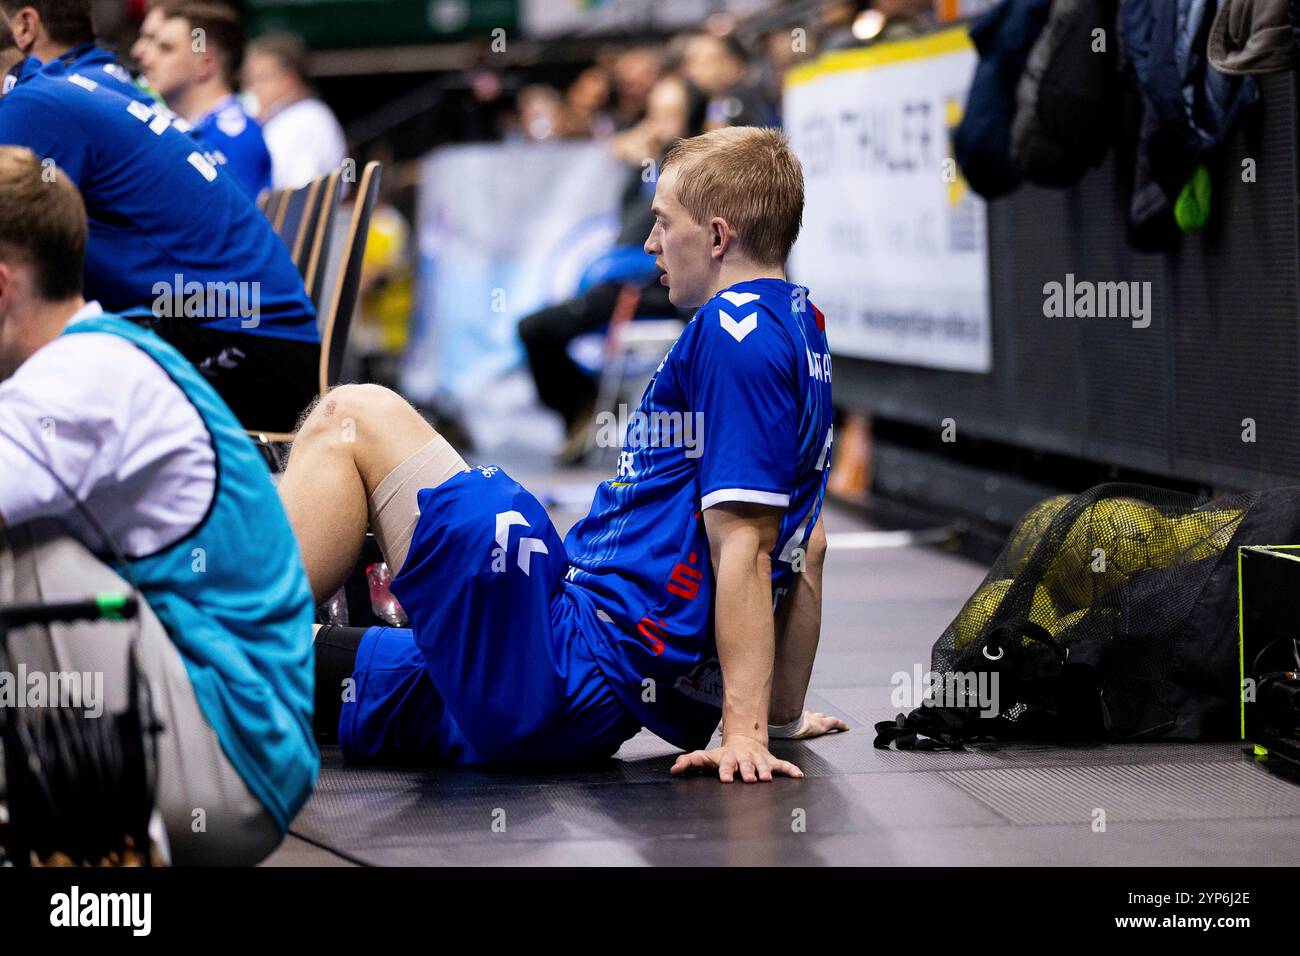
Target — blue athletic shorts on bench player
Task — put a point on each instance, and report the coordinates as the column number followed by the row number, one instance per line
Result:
column 494, row 670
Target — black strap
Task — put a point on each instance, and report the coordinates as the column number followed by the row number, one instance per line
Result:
column 926, row 728
column 1047, row 683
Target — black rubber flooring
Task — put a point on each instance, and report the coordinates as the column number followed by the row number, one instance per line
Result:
column 1162, row 804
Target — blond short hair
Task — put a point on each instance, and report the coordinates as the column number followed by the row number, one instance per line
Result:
column 749, row 176
column 42, row 221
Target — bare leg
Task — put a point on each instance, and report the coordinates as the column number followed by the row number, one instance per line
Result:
column 347, row 445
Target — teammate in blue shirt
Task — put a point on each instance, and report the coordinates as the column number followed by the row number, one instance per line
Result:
column 199, row 86
column 175, row 241
column 76, row 52
column 698, row 568
column 48, row 30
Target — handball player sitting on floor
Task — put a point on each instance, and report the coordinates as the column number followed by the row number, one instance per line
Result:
column 692, row 590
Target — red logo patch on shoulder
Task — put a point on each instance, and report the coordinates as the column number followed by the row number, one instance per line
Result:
column 819, row 318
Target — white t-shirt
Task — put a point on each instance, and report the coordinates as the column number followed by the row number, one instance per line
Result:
column 105, row 418
column 305, row 141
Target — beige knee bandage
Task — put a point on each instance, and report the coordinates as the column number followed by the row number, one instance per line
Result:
column 394, row 508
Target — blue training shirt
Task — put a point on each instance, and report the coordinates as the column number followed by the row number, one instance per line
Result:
column 100, row 65
column 169, row 230
column 237, row 140
column 738, row 411
column 96, row 64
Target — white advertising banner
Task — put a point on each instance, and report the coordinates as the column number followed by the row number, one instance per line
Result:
column 894, row 243
column 505, row 229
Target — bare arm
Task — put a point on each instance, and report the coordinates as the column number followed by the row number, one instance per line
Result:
column 798, row 630
column 741, row 539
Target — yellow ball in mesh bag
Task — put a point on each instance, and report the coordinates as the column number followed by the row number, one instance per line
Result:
column 1029, row 530
column 1063, row 625
column 1203, row 534
column 975, row 616
column 1043, row 611
column 1140, row 537
column 1130, row 535
column 978, row 610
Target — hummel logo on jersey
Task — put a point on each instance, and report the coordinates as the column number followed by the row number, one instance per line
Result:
column 488, row 471
column 738, row 328
column 527, row 546
column 739, row 298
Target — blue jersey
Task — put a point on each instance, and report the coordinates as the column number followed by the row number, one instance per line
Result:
column 169, row 231
column 100, row 65
column 97, row 64
column 738, row 411
column 235, row 138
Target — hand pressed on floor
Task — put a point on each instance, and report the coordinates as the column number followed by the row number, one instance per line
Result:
column 743, row 754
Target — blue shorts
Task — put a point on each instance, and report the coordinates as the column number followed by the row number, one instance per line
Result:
column 494, row 670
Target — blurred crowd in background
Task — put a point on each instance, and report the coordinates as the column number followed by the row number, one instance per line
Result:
column 636, row 92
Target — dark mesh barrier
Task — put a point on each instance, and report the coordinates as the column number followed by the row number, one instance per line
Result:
column 1223, row 344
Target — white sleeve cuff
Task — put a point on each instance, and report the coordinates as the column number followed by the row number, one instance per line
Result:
column 744, row 494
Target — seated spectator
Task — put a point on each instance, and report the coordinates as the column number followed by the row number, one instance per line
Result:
column 586, row 103
column 720, row 67
column 675, row 110
column 199, row 85
column 302, row 134
column 150, row 465
column 635, row 72
column 172, row 234
column 541, row 114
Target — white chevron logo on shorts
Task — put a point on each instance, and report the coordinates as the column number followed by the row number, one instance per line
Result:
column 738, row 328
column 527, row 546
